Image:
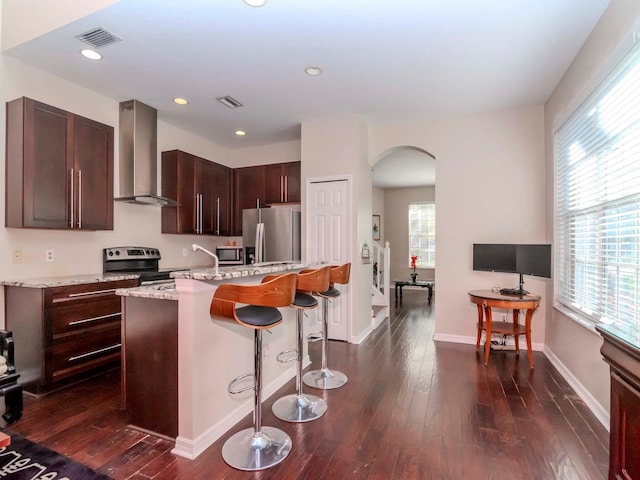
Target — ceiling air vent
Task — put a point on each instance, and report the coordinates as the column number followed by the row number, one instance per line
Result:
column 229, row 102
column 98, row 37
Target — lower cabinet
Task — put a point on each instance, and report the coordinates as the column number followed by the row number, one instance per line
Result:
column 64, row 334
column 624, row 433
column 150, row 364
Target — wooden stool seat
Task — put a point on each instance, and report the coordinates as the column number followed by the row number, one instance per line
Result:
column 259, row 317
column 304, row 300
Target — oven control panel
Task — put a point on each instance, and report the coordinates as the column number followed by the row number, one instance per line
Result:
column 131, row 253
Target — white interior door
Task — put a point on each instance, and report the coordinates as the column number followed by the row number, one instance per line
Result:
column 328, row 212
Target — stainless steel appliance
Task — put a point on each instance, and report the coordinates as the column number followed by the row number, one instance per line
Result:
column 142, row 261
column 229, row 255
column 271, row 235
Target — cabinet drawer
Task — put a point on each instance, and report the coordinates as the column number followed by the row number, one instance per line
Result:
column 80, row 355
column 85, row 293
column 73, row 319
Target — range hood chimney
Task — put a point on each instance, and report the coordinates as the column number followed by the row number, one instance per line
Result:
column 138, row 155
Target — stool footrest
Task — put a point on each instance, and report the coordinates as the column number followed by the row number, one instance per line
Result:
column 232, row 385
column 283, row 358
column 315, row 337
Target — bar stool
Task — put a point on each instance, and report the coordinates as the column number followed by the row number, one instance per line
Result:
column 259, row 447
column 324, row 378
column 299, row 407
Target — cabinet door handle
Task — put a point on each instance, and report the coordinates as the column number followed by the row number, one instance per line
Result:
column 93, row 319
column 281, row 188
column 95, row 352
column 218, row 216
column 79, row 198
column 94, row 292
column 286, row 188
column 201, row 206
column 71, row 200
column 197, row 219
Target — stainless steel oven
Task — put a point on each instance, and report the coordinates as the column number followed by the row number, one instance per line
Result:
column 141, row 261
column 229, row 255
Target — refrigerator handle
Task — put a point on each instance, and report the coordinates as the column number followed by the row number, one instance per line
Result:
column 259, row 243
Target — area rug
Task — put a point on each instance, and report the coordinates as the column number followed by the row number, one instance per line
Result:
column 25, row 460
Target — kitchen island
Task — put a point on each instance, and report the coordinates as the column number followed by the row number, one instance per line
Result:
column 178, row 362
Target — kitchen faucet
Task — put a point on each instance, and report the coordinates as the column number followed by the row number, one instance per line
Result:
column 195, row 248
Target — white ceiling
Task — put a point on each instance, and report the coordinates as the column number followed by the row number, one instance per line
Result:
column 386, row 60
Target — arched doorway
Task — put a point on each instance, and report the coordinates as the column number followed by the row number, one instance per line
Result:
column 400, row 176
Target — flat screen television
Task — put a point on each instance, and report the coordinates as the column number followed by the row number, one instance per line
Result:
column 523, row 259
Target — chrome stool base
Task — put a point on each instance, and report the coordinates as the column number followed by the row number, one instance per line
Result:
column 299, row 408
column 249, row 451
column 324, row 379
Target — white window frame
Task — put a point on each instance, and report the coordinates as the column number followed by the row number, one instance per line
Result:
column 597, row 202
column 429, row 238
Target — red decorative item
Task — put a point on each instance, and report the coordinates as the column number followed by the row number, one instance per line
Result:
column 413, row 262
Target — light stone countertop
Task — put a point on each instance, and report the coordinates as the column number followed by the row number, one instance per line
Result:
column 160, row 291
column 47, row 282
column 229, row 273
column 167, row 291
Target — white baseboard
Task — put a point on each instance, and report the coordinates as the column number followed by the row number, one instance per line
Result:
column 190, row 449
column 598, row 410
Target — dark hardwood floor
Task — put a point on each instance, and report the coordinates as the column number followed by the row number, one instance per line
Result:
column 412, row 409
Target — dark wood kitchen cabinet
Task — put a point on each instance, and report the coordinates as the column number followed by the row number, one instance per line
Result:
column 264, row 185
column 59, row 169
column 65, row 334
column 150, row 363
column 203, row 191
column 623, row 356
column 282, row 183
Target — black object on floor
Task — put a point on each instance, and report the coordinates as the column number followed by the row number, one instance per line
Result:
column 23, row 459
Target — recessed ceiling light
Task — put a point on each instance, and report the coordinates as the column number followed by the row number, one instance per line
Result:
column 180, row 101
column 91, row 54
column 255, row 3
column 241, row 133
column 313, row 71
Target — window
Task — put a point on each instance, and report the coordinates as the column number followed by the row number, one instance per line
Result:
column 597, row 222
column 422, row 234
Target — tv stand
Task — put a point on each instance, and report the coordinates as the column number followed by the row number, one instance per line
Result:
column 515, row 291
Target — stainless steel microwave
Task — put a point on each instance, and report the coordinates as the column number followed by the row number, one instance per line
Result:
column 229, row 255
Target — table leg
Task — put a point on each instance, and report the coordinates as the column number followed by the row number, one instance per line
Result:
column 396, row 294
column 401, row 285
column 516, row 317
column 527, row 328
column 480, row 326
column 487, row 340
column 430, row 288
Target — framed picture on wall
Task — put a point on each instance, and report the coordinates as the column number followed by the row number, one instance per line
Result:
column 376, row 227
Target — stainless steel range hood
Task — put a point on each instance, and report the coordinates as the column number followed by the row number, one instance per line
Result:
column 138, row 155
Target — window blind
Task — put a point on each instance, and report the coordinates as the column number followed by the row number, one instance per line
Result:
column 597, row 204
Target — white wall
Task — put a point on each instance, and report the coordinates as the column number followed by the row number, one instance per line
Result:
column 333, row 147
column 396, row 204
column 578, row 347
column 491, row 188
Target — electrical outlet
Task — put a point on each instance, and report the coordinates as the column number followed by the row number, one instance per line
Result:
column 17, row 256
column 48, row 254
column 185, row 252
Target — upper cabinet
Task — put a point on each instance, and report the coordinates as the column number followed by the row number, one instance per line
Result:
column 264, row 185
column 282, row 183
column 59, row 169
column 203, row 191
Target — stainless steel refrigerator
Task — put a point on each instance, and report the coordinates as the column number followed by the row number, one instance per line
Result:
column 271, row 234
